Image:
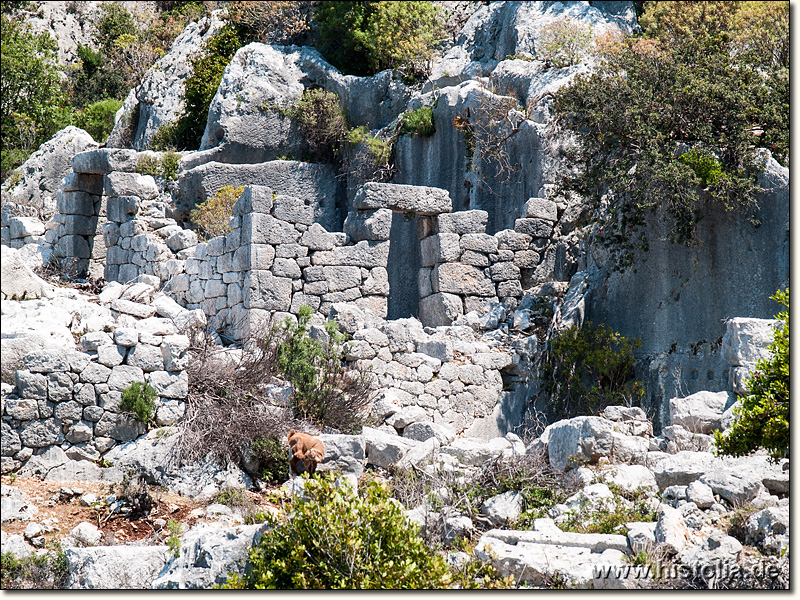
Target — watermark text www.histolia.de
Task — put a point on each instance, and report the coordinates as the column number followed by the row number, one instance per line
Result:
column 720, row 573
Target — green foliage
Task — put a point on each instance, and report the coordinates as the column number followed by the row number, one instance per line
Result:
column 273, row 460
column 232, row 497
column 563, row 42
column 38, row 571
column 113, row 21
column 320, row 117
column 166, row 166
column 140, row 399
column 763, row 417
column 379, row 151
column 680, row 85
column 199, row 90
column 322, row 393
column 32, row 103
column 270, row 22
column 362, row 38
column 704, row 164
column 419, row 122
column 174, row 541
column 589, row 368
column 98, row 118
column 611, row 516
column 211, row 217
column 336, row 539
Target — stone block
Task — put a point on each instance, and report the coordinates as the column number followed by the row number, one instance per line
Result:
column 182, row 239
column 83, row 182
column 76, row 203
column 536, row 228
column 509, row 289
column 508, row 239
column 526, row 259
column 254, row 199
column 170, row 384
column 463, row 222
column 287, row 267
column 59, row 387
column 456, row 278
column 265, row 291
column 316, row 238
column 21, row 227
column 341, row 278
column 293, row 210
column 700, row 412
column 745, row 341
column 130, row 184
column 95, row 373
column 105, row 160
column 22, row 409
column 363, row 254
column 38, row 434
column 370, row 225
column 479, row 242
column 377, row 283
column 259, row 228
column 122, row 376
column 73, row 246
column 122, row 208
column 46, row 361
column 504, row 271
column 119, row 426
column 540, row 208
column 439, row 248
column 420, row 200
column 440, row 309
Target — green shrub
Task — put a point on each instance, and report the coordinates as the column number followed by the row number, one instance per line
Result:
column 211, row 217
column 588, row 368
column 336, row 539
column 174, row 541
column 281, row 22
column 763, row 417
column 322, row 391
column 563, row 42
column 419, row 122
column 38, row 571
column 139, row 399
column 98, row 118
column 199, row 90
column 380, row 151
column 362, row 38
column 678, row 84
column 166, row 166
column 272, row 457
column 320, row 117
column 705, row 165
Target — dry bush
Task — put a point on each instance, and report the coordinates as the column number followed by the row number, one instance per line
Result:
column 271, row 22
column 212, row 216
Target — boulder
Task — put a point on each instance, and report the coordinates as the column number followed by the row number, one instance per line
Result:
column 425, row 430
column 158, row 100
column 641, row 536
column 683, row 468
column 345, row 453
column 746, row 339
column 475, row 451
column 713, row 556
column 737, row 487
column 209, row 553
column 504, row 508
column 15, row 545
column 671, row 531
column 384, row 449
column 115, row 567
column 630, row 478
column 18, row 281
column 579, row 438
column 41, row 174
column 701, row 412
column 769, row 528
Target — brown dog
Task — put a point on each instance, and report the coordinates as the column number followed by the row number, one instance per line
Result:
column 306, row 448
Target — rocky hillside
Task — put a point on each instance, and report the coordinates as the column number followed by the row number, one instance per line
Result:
column 383, row 251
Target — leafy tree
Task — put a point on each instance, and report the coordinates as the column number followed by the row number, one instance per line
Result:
column 653, row 108
column 335, row 538
column 32, row 102
column 763, row 417
column 362, row 38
